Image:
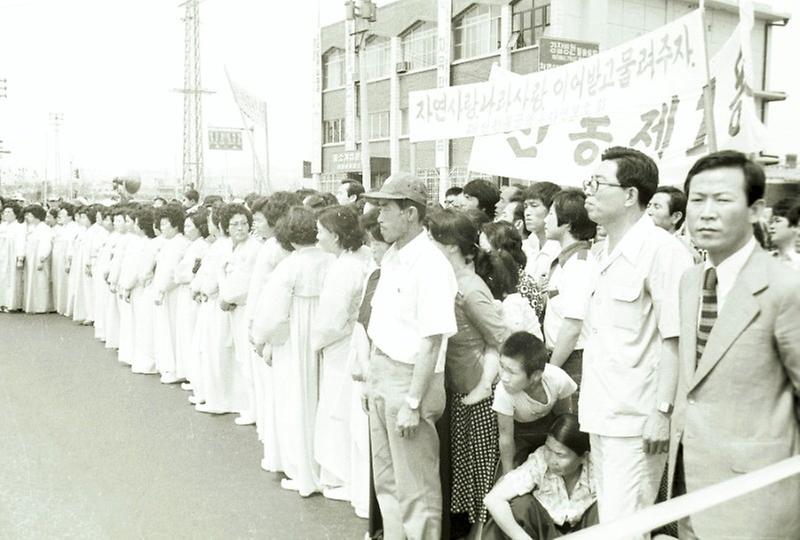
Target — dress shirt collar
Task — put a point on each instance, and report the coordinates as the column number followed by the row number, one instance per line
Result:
column 632, row 241
column 729, row 269
column 571, row 249
column 410, row 251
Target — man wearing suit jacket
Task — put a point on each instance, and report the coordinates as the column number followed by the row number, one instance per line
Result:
column 739, row 375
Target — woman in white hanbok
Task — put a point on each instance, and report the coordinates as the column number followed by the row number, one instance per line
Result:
column 84, row 309
column 144, row 360
column 38, row 248
column 165, row 292
column 212, row 334
column 119, row 239
column 266, row 214
column 12, row 255
column 340, row 234
column 195, row 229
column 234, row 281
column 75, row 264
column 292, row 293
column 63, row 239
column 124, row 283
column 100, row 262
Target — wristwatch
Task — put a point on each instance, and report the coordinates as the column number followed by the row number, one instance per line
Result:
column 413, row 403
column 665, row 407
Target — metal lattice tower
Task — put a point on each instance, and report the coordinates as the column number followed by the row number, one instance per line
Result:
column 192, row 98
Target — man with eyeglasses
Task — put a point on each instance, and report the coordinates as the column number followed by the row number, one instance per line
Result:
column 631, row 354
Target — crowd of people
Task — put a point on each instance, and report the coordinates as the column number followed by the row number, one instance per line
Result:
column 513, row 363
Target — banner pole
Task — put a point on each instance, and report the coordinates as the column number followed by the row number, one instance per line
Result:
column 709, row 89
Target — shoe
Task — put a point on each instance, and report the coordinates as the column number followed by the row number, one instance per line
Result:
column 339, row 493
column 242, row 420
column 168, row 378
column 289, row 485
column 204, row 408
column 194, row 400
column 265, row 467
column 363, row 514
column 187, row 386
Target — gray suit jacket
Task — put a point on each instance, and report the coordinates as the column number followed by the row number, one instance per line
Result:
column 735, row 412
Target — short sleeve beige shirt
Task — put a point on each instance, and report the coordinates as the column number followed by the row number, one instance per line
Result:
column 633, row 308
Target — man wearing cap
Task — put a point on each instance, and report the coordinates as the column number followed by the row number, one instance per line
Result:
column 412, row 317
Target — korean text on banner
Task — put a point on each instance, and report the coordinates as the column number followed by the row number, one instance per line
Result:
column 665, row 123
column 672, row 53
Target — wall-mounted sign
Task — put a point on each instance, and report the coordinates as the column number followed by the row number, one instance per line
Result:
column 557, row 52
column 346, row 162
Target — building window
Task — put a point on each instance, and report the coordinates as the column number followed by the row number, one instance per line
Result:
column 419, row 46
column 333, row 69
column 476, row 32
column 378, row 57
column 529, row 20
column 333, row 131
column 379, row 125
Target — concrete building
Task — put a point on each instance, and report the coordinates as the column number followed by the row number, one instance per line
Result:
column 424, row 44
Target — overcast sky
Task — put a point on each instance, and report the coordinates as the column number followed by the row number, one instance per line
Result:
column 109, row 66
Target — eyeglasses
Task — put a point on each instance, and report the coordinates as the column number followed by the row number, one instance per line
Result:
column 239, row 225
column 592, row 184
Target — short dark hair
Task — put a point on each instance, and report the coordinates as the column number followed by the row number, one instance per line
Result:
column 566, row 430
column 234, row 209
column 353, row 188
column 486, row 192
column 258, row 205
column 677, row 202
column 570, row 209
column 754, row 180
column 789, row 208
column 315, row 201
column 503, row 235
column 92, row 210
column 499, row 271
column 145, row 219
column 543, row 191
column 526, row 349
column 636, row 170
column 69, row 208
column 343, row 222
column 16, row 208
column 453, row 228
column 36, row 210
column 192, row 195
column 209, row 201
column 250, row 199
column 369, row 222
column 278, row 205
column 200, row 221
column 455, row 190
column 298, row 227
column 162, row 199
column 173, row 213
column 53, row 211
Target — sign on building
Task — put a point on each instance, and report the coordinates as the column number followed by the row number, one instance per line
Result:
column 346, row 162
column 224, row 139
column 557, row 52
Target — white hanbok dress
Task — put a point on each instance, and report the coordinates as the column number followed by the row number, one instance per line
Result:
column 76, row 269
column 12, row 248
column 100, row 267
column 63, row 238
column 164, row 287
column 38, row 248
column 293, row 292
column 331, row 332
column 112, row 321
column 234, row 282
column 126, row 281
column 269, row 255
column 187, row 309
column 85, row 297
column 144, row 359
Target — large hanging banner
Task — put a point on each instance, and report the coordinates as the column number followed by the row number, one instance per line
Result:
column 662, row 120
column 672, row 55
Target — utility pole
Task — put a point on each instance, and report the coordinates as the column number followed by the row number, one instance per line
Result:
column 56, row 121
column 192, row 98
column 3, row 151
column 366, row 11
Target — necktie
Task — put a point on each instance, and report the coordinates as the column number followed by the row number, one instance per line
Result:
column 708, row 310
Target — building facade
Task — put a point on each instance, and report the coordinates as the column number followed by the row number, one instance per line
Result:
column 423, row 44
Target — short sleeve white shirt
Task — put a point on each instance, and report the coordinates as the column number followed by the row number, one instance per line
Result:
column 569, row 291
column 414, row 299
column 557, row 385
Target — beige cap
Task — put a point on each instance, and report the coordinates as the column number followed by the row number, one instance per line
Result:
column 402, row 186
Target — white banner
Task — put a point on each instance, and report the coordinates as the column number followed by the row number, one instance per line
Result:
column 671, row 53
column 665, row 123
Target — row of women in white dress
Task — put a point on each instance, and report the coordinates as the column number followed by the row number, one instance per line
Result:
column 252, row 311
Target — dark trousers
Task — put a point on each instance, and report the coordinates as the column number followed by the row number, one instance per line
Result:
column 534, row 519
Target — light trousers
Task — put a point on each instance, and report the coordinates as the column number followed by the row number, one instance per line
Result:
column 405, row 470
column 627, row 478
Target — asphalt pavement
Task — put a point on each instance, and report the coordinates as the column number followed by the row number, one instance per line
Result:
column 90, row 450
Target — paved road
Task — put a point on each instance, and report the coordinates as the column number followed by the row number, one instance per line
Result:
column 89, row 450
